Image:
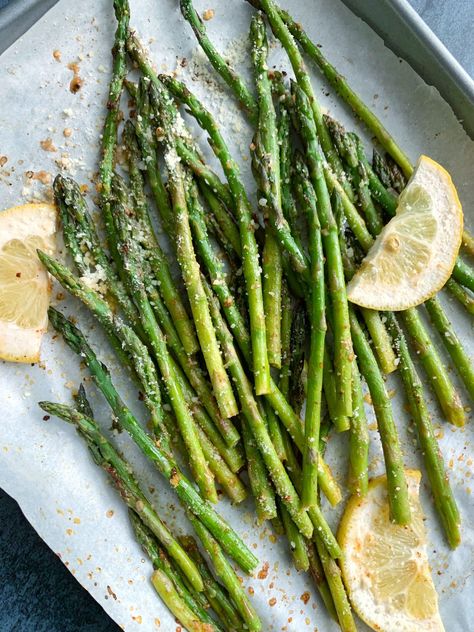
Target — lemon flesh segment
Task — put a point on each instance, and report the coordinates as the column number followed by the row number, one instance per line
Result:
column 385, row 565
column 415, row 253
column 24, row 283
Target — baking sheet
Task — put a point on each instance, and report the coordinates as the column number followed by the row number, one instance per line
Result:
column 43, row 463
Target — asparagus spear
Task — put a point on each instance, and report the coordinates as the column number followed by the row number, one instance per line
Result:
column 221, row 66
column 342, row 337
column 298, row 341
column 157, row 258
column 230, row 541
column 340, row 84
column 148, row 145
column 346, row 145
column 358, row 477
column 468, row 243
column 109, row 134
column 215, row 593
column 267, row 134
column 333, row 577
column 106, row 456
column 463, row 274
column 462, row 295
column 168, row 593
column 296, row 541
column 250, row 409
column 224, row 220
column 274, row 429
column 317, row 573
column 442, row 493
column 317, row 316
column 284, row 141
column 460, row 359
column 136, row 350
column 397, row 487
column 161, row 562
column 262, row 489
column 227, row 575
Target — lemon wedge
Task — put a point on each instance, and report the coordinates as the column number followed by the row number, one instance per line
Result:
column 415, row 253
column 385, row 565
column 24, row 283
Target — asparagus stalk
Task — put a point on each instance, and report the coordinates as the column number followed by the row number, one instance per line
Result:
column 106, row 456
column 358, row 478
column 462, row 295
column 191, row 370
column 262, row 489
column 468, row 243
column 317, row 573
column 346, row 145
column 275, row 430
column 267, row 134
column 112, row 119
column 272, row 279
column 218, row 62
column 333, row 577
column 337, row 291
column 442, row 493
column 227, row 575
column 170, row 596
column 157, row 259
column 136, row 350
column 296, row 541
column 297, row 353
column 452, row 343
column 206, row 175
column 147, row 140
column 224, row 219
column 215, row 593
column 160, row 562
column 286, row 323
column 229, row 540
column 284, row 141
column 243, row 210
column 397, row 487
column 463, row 274
column 317, row 316
column 246, row 227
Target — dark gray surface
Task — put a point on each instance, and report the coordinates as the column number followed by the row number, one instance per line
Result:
column 37, row 593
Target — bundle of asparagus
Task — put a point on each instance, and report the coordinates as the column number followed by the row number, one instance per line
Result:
column 232, row 372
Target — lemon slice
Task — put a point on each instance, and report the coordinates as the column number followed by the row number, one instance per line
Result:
column 415, row 253
column 385, row 565
column 24, row 283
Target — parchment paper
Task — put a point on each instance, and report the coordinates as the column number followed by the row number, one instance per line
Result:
column 43, row 463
